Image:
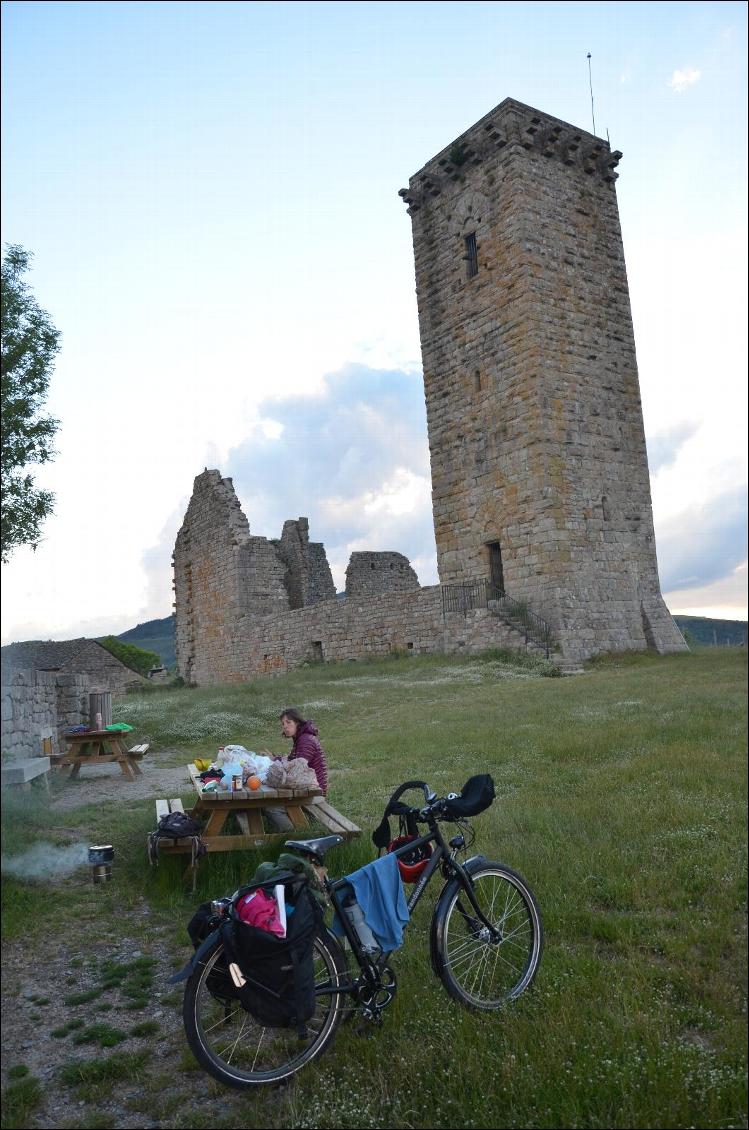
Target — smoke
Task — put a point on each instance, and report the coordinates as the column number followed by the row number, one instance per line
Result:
column 45, row 861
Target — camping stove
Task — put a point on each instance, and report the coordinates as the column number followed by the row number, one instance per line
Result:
column 100, row 857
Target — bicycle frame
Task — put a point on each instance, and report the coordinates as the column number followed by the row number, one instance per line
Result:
column 442, row 857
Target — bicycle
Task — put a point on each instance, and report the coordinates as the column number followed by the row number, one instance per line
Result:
column 486, row 942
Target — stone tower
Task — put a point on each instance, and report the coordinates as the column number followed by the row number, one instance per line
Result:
column 539, row 470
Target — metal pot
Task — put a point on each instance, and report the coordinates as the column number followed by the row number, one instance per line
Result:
column 100, row 857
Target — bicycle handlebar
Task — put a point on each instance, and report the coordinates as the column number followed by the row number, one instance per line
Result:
column 475, row 796
column 435, row 806
column 429, row 795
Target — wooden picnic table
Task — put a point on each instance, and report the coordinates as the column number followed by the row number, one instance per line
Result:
column 213, row 809
column 96, row 747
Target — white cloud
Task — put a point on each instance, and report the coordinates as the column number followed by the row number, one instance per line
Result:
column 703, row 543
column 725, row 599
column 681, row 80
column 665, row 445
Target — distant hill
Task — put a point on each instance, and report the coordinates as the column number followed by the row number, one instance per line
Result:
column 158, row 635
column 714, row 632
column 154, row 635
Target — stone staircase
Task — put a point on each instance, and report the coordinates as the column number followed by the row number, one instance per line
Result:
column 534, row 631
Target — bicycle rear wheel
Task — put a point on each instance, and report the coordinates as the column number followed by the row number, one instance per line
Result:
column 478, row 970
column 238, row 1050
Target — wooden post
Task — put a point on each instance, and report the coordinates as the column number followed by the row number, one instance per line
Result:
column 100, row 702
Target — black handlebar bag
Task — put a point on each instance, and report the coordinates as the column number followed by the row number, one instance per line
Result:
column 475, row 796
column 279, row 989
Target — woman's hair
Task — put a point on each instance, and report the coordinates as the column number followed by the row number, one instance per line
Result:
column 293, row 714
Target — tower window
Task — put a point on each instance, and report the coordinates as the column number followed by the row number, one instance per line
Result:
column 477, row 380
column 496, row 570
column 471, row 256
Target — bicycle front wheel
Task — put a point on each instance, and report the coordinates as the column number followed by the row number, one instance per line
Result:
column 480, row 970
column 237, row 1049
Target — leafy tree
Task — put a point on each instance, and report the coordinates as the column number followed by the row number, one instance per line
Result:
column 29, row 345
column 134, row 657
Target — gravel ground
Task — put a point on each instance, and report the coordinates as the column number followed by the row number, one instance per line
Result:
column 38, row 978
column 95, row 783
column 28, row 1026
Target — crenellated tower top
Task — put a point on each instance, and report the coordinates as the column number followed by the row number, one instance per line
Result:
column 511, row 124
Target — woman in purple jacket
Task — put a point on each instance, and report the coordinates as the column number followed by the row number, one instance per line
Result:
column 305, row 744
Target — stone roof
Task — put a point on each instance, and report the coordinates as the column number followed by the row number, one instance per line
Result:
column 55, row 655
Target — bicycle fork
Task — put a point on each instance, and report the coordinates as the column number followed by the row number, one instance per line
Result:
column 493, row 933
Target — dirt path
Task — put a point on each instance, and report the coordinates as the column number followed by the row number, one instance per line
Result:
column 45, row 976
column 105, row 782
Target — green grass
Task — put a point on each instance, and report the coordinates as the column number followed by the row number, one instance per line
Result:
column 621, row 796
column 19, row 1101
column 102, row 1034
column 91, row 1079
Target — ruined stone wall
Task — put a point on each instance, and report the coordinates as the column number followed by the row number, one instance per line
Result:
column 241, row 624
column 410, row 622
column 209, row 552
column 308, row 576
column 321, row 584
column 226, row 579
column 370, row 574
column 533, row 408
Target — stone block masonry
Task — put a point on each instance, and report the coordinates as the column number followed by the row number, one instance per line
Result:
column 539, row 471
column 540, row 483
column 408, row 623
column 248, row 606
column 38, row 705
column 370, row 574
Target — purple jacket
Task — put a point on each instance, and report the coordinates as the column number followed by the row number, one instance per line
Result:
column 307, row 746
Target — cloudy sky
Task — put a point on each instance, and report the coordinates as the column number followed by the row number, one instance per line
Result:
column 210, row 194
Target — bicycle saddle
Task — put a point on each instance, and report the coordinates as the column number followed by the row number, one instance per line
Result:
column 315, row 848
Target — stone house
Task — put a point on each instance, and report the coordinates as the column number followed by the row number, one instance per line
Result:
column 45, row 689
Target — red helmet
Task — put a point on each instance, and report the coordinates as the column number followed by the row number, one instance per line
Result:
column 413, row 863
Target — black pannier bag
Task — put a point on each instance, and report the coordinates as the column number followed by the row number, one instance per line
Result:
column 279, row 989
column 475, row 796
column 200, row 926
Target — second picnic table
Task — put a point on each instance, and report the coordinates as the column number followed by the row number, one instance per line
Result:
column 96, row 747
column 246, row 805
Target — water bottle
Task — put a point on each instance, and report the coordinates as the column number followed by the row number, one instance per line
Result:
column 366, row 938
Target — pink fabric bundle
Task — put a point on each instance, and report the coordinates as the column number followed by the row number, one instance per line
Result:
column 261, row 910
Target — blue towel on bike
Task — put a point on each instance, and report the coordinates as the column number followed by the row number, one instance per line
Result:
column 379, row 892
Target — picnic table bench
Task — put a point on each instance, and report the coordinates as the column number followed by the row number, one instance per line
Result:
column 246, row 806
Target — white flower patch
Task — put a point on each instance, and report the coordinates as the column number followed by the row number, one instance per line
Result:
column 322, row 704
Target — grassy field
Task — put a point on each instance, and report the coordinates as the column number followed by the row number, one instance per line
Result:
column 621, row 797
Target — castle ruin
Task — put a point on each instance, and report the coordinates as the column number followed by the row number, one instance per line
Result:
column 540, row 484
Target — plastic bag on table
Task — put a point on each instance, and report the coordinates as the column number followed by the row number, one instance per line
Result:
column 252, row 764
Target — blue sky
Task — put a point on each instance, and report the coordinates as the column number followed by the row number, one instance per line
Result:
column 210, row 194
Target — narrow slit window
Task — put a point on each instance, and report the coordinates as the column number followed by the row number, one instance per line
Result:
column 496, row 570
column 472, row 256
